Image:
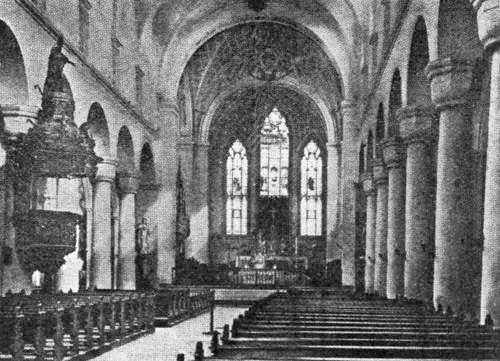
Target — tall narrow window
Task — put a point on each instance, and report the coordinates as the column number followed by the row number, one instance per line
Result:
column 139, row 87
column 236, row 186
column 83, row 14
column 274, row 145
column 311, row 190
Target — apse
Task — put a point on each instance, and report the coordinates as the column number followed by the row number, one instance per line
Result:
column 267, row 171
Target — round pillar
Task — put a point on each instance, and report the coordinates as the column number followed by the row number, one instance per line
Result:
column 371, row 212
column 101, row 276
column 199, row 212
column 128, row 186
column 418, row 129
column 488, row 14
column 380, row 178
column 350, row 177
column 450, row 83
column 394, row 158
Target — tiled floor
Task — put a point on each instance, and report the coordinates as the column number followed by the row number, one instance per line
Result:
column 166, row 343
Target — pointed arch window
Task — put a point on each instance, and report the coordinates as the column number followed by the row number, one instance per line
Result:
column 236, row 188
column 274, row 147
column 311, row 189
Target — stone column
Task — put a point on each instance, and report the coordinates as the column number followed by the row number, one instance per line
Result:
column 333, row 252
column 199, row 215
column 3, row 209
column 394, row 158
column 450, row 84
column 186, row 157
column 371, row 214
column 380, row 179
column 128, row 186
column 349, row 178
column 101, row 238
column 488, row 16
column 165, row 205
column 17, row 119
column 418, row 129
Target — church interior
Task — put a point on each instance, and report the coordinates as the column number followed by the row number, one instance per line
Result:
column 330, row 169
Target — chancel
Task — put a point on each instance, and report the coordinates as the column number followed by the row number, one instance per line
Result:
column 270, row 179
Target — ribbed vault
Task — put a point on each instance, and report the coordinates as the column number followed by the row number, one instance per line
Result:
column 262, row 52
column 241, row 115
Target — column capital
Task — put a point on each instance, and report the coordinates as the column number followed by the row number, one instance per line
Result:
column 394, row 152
column 185, row 144
column 488, row 21
column 351, row 126
column 348, row 106
column 333, row 145
column 451, row 80
column 418, row 124
column 379, row 172
column 128, row 183
column 106, row 170
column 203, row 146
column 368, row 186
column 18, row 119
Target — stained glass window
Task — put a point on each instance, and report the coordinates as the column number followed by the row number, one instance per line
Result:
column 311, row 190
column 274, row 145
column 236, row 187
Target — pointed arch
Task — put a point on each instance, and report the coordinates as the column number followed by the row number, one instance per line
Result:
column 395, row 103
column 361, row 156
column 97, row 127
column 418, row 89
column 125, row 152
column 379, row 130
column 13, row 80
column 369, row 152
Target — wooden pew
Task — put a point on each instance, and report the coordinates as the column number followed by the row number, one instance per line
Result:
column 67, row 325
column 310, row 325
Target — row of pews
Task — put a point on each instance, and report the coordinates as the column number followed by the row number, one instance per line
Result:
column 307, row 325
column 77, row 326
column 71, row 326
column 176, row 304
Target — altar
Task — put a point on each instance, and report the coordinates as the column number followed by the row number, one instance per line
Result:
column 271, row 262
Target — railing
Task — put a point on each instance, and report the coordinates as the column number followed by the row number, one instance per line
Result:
column 266, row 277
column 175, row 304
column 63, row 326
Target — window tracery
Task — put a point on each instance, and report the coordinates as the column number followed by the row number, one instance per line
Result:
column 311, row 191
column 274, row 150
column 236, row 188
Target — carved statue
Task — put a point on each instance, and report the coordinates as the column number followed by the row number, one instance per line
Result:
column 57, row 60
column 146, row 255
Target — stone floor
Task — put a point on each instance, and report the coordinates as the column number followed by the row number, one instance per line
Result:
column 166, row 343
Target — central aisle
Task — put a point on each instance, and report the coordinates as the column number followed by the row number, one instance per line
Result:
column 166, row 343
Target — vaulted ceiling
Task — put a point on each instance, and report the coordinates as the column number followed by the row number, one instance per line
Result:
column 257, row 53
column 242, row 114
